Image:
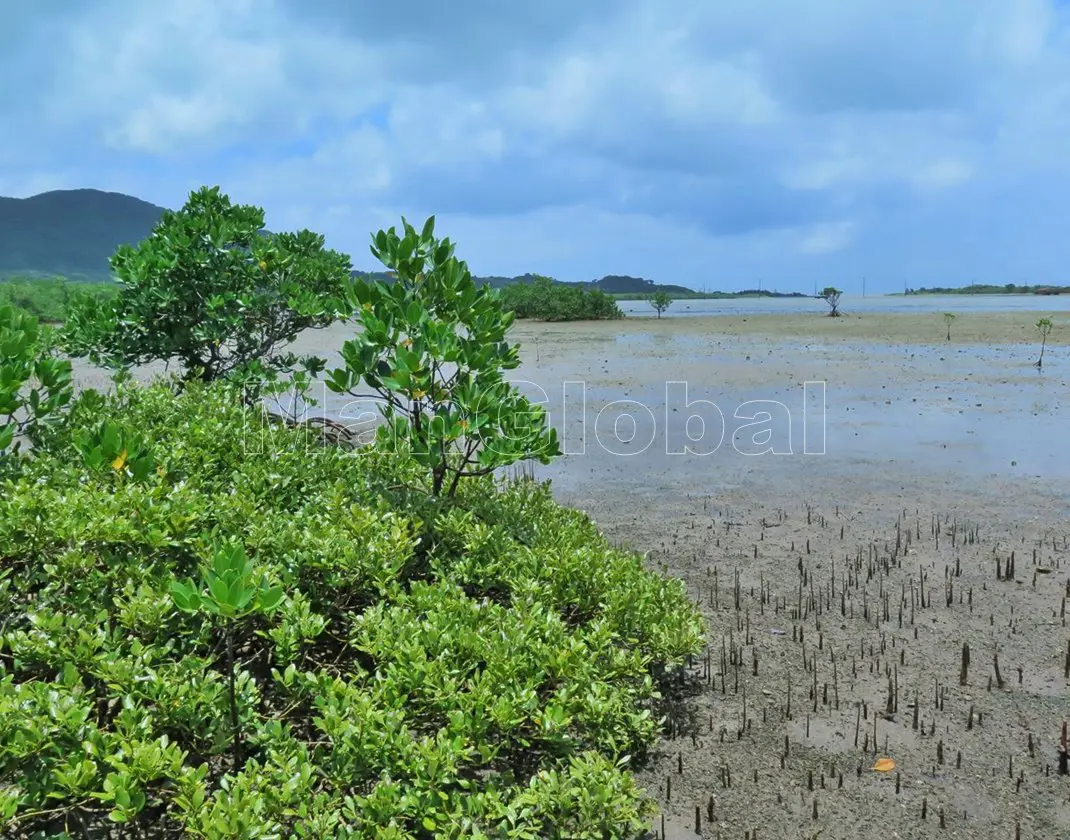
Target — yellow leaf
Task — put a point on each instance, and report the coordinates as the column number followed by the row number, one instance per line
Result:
column 884, row 765
column 120, row 461
column 263, row 265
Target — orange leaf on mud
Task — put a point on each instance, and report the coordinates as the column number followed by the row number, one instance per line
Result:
column 884, row 765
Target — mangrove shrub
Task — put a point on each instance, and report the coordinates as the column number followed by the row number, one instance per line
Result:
column 291, row 644
column 211, row 290
column 545, row 300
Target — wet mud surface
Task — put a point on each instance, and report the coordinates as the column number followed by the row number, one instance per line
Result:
column 839, row 587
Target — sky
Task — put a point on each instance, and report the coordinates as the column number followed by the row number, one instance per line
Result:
column 717, row 145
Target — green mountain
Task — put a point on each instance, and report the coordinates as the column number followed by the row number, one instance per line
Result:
column 70, row 232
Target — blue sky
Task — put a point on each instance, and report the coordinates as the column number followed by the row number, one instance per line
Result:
column 709, row 144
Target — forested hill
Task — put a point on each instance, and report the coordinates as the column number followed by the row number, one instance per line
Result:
column 72, row 233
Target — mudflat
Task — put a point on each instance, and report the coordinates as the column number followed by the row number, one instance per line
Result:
column 841, row 578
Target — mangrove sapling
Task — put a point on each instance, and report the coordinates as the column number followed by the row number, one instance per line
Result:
column 231, row 590
column 948, row 318
column 831, row 296
column 660, row 301
column 432, row 347
column 1043, row 326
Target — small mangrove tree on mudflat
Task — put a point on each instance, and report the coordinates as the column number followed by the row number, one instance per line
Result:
column 660, row 301
column 831, row 296
column 1044, row 327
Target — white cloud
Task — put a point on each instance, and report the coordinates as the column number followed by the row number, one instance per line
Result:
column 200, row 73
column 942, row 174
column 825, row 239
column 572, row 139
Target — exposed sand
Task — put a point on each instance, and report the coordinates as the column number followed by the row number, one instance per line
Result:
column 965, row 438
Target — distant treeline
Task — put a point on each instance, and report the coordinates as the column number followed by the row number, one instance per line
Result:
column 689, row 295
column 47, row 298
column 529, row 295
column 990, row 289
column 539, row 298
column 619, row 286
column 612, row 284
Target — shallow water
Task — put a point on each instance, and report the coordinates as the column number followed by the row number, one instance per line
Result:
column 857, row 304
column 892, row 411
column 964, row 431
column 897, row 413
